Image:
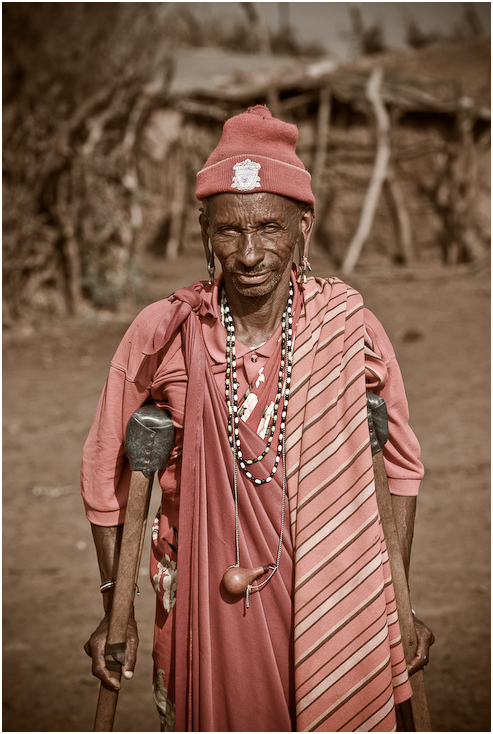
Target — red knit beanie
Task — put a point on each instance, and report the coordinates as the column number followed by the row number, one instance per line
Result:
column 256, row 153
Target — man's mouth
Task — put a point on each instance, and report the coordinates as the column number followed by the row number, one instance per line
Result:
column 252, row 278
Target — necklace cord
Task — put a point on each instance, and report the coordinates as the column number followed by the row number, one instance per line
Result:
column 233, row 427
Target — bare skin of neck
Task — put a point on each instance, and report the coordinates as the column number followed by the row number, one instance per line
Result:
column 257, row 319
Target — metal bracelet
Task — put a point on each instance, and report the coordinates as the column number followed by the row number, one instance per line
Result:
column 107, row 585
column 110, row 584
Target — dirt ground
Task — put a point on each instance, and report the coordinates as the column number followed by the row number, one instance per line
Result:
column 52, row 378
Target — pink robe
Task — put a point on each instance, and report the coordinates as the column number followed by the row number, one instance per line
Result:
column 232, row 668
column 225, row 670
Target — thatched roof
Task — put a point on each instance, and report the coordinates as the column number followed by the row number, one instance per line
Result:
column 441, row 78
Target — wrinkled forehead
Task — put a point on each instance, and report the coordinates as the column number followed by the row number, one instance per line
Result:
column 251, row 206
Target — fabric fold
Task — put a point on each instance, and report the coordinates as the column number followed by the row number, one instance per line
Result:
column 206, row 619
column 341, row 567
column 185, row 301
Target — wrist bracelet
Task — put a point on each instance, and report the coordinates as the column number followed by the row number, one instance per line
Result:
column 107, row 585
column 110, row 584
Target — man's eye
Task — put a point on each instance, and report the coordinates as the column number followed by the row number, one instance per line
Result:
column 271, row 228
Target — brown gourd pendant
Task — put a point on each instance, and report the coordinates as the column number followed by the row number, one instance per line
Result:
column 236, row 580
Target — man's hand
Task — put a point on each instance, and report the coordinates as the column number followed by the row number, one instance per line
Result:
column 95, row 645
column 425, row 638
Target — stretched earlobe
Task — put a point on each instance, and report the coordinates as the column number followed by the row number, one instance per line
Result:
column 211, row 267
column 304, row 265
column 209, row 252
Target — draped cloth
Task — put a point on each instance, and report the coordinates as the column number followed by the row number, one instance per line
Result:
column 232, row 670
column 348, row 663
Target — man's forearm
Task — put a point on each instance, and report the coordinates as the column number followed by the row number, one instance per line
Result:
column 404, row 510
column 107, row 542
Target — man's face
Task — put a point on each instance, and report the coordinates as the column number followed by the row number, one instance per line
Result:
column 254, row 236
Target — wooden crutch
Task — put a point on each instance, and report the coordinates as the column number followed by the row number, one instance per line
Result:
column 148, row 443
column 415, row 712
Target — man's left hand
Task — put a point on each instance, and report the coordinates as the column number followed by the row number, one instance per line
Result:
column 425, row 638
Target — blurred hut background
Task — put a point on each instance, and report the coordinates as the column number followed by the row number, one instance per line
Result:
column 110, row 109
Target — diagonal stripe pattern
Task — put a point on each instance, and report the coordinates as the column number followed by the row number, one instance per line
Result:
column 349, row 663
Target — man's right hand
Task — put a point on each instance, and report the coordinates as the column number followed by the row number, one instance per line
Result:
column 95, row 646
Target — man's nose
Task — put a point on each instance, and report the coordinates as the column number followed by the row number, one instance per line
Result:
column 250, row 251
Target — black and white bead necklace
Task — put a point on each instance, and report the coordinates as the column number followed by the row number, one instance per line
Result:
column 283, row 388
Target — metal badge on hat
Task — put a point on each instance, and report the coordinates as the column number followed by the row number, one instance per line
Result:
column 246, row 176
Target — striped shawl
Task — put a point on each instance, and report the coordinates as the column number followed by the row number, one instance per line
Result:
column 349, row 662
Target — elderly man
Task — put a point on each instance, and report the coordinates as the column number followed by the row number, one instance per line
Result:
column 275, row 606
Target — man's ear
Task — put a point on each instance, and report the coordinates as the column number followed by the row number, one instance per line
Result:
column 306, row 225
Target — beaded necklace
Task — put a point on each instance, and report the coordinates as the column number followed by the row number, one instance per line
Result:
column 237, row 580
column 284, row 381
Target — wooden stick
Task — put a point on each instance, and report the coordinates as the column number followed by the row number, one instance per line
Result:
column 418, row 702
column 378, row 175
column 123, row 598
column 323, row 123
column 400, row 217
column 177, row 205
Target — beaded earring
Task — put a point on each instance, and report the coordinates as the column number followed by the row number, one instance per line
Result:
column 304, row 265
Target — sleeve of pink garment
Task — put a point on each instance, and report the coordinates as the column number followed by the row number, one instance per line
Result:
column 105, row 472
column 402, row 451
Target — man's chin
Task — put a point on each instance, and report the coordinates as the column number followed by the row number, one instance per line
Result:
column 251, row 289
column 254, row 292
